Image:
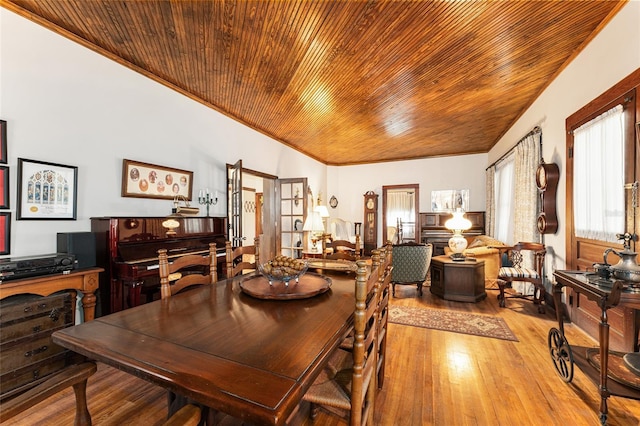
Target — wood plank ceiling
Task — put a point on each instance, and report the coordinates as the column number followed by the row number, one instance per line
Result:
column 345, row 82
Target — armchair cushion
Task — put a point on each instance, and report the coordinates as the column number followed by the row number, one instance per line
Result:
column 484, row 241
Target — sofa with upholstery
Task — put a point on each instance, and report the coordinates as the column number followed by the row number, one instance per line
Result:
column 481, row 247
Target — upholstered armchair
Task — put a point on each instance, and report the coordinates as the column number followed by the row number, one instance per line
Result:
column 411, row 263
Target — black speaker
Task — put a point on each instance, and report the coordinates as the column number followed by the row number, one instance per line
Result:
column 81, row 244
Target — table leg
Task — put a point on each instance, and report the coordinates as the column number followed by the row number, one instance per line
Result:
column 88, row 305
column 557, row 300
column 604, row 366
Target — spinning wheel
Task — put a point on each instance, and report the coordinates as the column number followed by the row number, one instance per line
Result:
column 561, row 355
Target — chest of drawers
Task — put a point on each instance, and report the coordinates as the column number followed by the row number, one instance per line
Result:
column 27, row 354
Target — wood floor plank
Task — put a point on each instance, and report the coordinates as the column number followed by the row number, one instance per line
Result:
column 432, row 377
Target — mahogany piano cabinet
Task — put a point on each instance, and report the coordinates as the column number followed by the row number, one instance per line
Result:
column 433, row 231
column 127, row 248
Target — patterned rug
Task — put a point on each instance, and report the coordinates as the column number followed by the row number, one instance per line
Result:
column 456, row 322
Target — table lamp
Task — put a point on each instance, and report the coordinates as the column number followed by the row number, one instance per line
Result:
column 324, row 214
column 457, row 224
column 313, row 224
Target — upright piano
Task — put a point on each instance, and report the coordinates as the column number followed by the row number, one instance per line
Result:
column 127, row 249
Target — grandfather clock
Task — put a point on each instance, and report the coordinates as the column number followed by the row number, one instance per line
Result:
column 370, row 238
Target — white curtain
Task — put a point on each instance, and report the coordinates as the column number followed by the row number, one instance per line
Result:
column 526, row 198
column 504, row 188
column 598, row 179
column 401, row 207
column 514, row 207
column 490, row 214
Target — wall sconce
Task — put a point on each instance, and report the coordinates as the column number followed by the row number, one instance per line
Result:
column 205, row 198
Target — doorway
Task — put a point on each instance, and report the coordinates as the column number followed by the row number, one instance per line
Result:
column 400, row 204
column 251, row 208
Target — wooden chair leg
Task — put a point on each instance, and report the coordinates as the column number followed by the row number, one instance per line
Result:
column 539, row 299
column 420, row 289
column 501, row 285
column 313, row 411
column 393, row 289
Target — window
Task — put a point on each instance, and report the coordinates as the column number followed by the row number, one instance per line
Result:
column 601, row 163
column 598, row 178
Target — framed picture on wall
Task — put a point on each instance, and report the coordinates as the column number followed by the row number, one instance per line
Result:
column 5, row 233
column 4, row 187
column 3, row 142
column 46, row 190
column 144, row 180
column 450, row 200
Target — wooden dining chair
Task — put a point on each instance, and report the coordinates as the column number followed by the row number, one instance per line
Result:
column 382, row 260
column 519, row 257
column 342, row 249
column 236, row 260
column 182, row 272
column 384, row 279
column 347, row 387
column 186, row 271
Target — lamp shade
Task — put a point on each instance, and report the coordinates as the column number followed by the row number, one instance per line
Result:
column 313, row 223
column 458, row 222
column 324, row 212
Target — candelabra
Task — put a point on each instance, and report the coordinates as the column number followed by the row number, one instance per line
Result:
column 205, row 198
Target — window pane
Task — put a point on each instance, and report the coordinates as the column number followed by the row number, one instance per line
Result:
column 598, row 178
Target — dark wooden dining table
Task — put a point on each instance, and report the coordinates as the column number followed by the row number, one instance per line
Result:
column 248, row 357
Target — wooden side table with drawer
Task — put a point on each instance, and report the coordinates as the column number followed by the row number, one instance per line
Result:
column 461, row 281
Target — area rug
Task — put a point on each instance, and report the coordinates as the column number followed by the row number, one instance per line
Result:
column 456, row 322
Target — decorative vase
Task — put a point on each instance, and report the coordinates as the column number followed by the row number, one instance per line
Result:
column 457, row 243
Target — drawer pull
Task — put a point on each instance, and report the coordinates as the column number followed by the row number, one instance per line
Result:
column 42, row 306
column 36, row 374
column 37, row 328
column 55, row 314
column 28, row 308
column 35, row 351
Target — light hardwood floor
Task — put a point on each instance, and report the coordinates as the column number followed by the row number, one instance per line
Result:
column 432, row 378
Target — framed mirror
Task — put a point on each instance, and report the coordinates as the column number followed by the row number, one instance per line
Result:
column 400, row 208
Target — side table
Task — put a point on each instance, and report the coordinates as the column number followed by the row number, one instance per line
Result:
column 461, row 281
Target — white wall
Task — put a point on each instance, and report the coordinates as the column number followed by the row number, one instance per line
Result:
column 349, row 183
column 66, row 104
column 611, row 56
